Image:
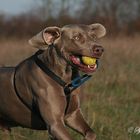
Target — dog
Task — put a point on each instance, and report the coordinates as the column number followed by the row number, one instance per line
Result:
column 33, row 98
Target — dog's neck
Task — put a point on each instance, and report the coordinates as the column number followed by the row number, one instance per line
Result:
column 56, row 63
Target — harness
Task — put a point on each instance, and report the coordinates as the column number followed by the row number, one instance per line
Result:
column 76, row 82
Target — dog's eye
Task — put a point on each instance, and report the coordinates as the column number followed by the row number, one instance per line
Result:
column 76, row 38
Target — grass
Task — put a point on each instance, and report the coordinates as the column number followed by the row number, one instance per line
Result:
column 110, row 100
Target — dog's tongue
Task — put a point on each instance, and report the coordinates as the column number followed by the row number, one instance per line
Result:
column 75, row 60
column 88, row 68
column 85, row 60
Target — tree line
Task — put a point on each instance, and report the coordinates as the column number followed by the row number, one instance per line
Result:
column 119, row 16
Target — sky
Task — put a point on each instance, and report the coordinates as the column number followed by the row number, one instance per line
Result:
column 14, row 6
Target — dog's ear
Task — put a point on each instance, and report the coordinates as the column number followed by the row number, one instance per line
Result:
column 98, row 30
column 45, row 37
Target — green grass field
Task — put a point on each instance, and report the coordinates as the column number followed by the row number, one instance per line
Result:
column 110, row 100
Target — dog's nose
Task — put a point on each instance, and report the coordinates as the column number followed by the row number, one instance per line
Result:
column 98, row 50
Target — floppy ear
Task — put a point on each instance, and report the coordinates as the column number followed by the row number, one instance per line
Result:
column 98, row 30
column 45, row 37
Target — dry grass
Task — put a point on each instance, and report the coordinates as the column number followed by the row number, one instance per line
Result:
column 111, row 99
column 14, row 50
column 113, row 94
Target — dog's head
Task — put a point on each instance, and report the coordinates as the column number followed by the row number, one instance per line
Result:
column 73, row 42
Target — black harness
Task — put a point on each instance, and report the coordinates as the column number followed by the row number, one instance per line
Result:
column 77, row 80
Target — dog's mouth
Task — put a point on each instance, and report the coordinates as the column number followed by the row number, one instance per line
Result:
column 87, row 65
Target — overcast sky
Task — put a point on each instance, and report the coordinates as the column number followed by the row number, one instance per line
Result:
column 14, row 6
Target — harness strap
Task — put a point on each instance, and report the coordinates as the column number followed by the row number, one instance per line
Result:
column 49, row 72
column 16, row 90
column 68, row 88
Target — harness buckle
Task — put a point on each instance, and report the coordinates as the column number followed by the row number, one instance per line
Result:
column 78, row 81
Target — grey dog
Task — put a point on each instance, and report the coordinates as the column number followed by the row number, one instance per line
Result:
column 32, row 99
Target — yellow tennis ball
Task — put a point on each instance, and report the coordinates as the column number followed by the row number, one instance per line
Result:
column 88, row 60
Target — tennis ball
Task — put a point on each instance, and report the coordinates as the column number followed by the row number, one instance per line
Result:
column 88, row 60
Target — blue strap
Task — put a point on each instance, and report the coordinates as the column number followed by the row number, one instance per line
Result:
column 78, row 81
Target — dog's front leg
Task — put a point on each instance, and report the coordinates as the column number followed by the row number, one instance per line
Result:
column 52, row 108
column 75, row 120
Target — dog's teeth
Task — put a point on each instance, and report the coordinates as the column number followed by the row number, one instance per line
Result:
column 95, row 66
column 89, row 66
column 78, row 59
